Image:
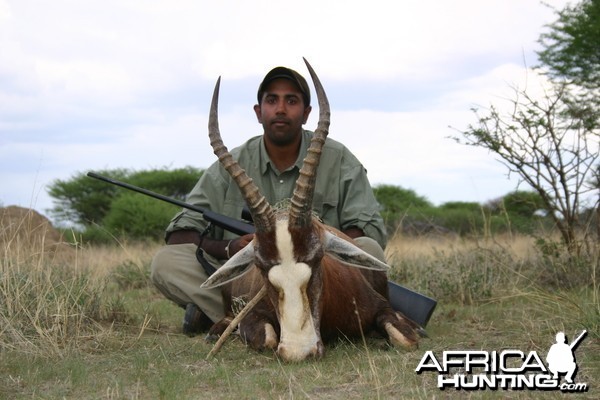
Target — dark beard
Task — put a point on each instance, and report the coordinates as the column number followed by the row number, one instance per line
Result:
column 281, row 137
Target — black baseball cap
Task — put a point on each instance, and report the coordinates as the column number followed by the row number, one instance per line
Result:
column 286, row 73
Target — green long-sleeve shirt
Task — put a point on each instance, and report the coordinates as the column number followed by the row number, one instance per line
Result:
column 343, row 195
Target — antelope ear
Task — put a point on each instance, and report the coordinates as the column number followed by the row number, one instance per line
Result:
column 350, row 255
column 235, row 267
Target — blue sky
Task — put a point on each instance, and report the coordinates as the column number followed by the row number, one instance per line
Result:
column 87, row 85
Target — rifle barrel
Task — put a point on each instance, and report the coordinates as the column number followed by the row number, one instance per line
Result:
column 230, row 224
column 145, row 191
column 578, row 339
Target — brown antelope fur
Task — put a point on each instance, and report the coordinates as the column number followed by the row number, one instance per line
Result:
column 315, row 293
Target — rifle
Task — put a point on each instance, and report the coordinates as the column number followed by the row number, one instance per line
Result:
column 415, row 306
column 575, row 342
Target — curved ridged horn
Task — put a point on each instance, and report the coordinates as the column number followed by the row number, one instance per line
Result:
column 261, row 210
column 301, row 203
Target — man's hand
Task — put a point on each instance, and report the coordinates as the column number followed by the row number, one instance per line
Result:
column 353, row 232
column 239, row 243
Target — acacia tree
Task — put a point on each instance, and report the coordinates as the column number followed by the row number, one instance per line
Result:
column 553, row 146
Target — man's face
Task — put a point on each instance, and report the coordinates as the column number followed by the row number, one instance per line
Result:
column 282, row 112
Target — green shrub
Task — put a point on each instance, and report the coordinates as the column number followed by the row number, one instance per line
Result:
column 462, row 218
column 138, row 217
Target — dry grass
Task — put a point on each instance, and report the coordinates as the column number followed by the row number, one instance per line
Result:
column 418, row 248
column 101, row 261
column 86, row 324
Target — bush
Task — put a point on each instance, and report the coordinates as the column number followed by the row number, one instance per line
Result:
column 522, row 203
column 138, row 217
column 397, row 202
column 461, row 217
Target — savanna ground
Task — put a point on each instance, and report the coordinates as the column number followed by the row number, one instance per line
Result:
column 84, row 322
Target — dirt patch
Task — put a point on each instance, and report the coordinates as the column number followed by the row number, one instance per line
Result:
column 25, row 228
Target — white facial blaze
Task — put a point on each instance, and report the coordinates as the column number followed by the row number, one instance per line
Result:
column 298, row 335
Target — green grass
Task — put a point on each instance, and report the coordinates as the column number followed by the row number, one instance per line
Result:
column 71, row 331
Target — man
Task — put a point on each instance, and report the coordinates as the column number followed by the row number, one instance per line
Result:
column 560, row 358
column 343, row 199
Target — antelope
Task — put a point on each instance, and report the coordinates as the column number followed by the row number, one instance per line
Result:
column 319, row 284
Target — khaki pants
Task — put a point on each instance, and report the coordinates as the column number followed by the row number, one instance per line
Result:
column 176, row 272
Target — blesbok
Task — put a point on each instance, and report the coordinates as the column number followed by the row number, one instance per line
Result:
column 312, row 292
